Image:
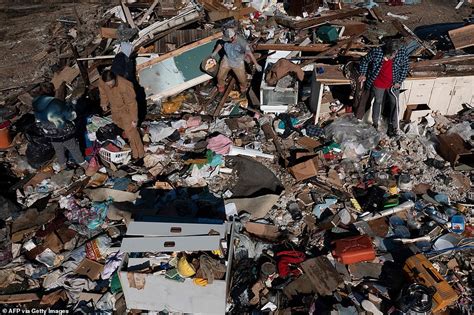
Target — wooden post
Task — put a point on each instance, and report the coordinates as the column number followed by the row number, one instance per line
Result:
column 80, row 64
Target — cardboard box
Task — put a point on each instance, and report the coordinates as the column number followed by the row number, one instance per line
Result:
column 305, row 170
column 159, row 293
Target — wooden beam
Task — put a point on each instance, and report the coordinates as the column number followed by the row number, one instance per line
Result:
column 462, row 37
column 290, row 47
column 312, row 22
column 148, row 12
column 229, row 88
column 404, row 30
column 178, row 51
column 128, row 15
column 107, row 32
column 80, row 64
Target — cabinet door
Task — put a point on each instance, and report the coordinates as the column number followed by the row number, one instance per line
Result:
column 441, row 94
column 405, row 95
column 420, row 92
column 462, row 93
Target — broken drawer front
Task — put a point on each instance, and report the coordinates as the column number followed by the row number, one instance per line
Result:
column 420, row 92
column 159, row 293
column 174, row 229
column 170, row 244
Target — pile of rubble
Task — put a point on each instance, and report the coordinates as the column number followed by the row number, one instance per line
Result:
column 271, row 200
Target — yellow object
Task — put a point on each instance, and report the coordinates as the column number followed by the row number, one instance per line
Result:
column 420, row 270
column 217, row 252
column 200, row 281
column 356, row 205
column 393, row 190
column 185, row 269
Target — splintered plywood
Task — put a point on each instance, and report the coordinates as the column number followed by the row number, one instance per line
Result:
column 176, row 73
column 462, row 37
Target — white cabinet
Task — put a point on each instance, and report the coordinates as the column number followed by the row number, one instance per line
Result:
column 441, row 94
column 420, row 91
column 462, row 93
column 444, row 94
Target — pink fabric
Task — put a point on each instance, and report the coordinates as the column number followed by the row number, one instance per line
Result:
column 219, row 144
column 193, row 121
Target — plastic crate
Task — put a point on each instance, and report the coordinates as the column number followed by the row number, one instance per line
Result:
column 115, row 157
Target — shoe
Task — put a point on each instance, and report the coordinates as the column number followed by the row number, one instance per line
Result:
column 392, row 132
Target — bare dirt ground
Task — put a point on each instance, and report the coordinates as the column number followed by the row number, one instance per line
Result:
column 27, row 44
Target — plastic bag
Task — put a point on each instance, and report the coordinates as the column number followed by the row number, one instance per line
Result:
column 354, row 137
column 37, row 154
column 463, row 129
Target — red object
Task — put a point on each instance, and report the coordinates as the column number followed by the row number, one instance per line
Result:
column 395, row 170
column 288, row 258
column 354, row 249
column 385, row 78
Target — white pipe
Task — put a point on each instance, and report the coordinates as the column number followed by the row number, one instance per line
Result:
column 373, row 216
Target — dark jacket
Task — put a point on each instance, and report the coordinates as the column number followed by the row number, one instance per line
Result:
column 371, row 64
column 55, row 118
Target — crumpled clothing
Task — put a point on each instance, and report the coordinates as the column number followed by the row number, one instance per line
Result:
column 282, row 68
column 113, row 262
column 92, row 217
column 287, row 258
column 193, row 121
column 160, row 131
column 210, row 268
column 220, row 144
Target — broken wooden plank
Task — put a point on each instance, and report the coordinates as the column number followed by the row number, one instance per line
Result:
column 18, row 298
column 404, row 30
column 107, row 32
column 67, row 74
column 148, row 12
column 291, row 47
column 323, row 276
column 462, row 37
column 307, row 23
column 236, row 14
column 128, row 15
column 229, row 88
column 146, row 35
column 80, row 64
column 178, row 51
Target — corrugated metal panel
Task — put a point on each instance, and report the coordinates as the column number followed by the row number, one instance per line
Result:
column 181, row 38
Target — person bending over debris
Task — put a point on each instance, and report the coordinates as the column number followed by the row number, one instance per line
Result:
column 119, row 93
column 383, row 70
column 236, row 49
column 56, row 119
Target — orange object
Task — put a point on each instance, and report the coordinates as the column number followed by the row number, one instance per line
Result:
column 354, row 249
column 420, row 270
column 5, row 138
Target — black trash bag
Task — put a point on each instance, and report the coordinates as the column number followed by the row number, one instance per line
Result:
column 108, row 132
column 37, row 154
column 34, row 134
